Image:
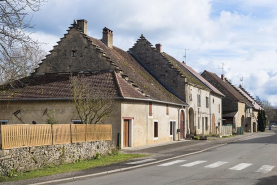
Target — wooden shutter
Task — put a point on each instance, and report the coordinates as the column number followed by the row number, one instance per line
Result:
column 150, row 109
column 167, row 110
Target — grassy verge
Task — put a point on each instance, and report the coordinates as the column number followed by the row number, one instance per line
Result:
column 81, row 165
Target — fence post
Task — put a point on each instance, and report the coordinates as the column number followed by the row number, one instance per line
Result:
column 52, row 134
column 70, row 133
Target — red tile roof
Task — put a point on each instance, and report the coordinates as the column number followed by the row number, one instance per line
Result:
column 56, row 86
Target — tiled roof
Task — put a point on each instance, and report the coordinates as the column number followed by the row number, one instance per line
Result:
column 56, row 86
column 203, row 80
column 229, row 115
column 229, row 87
column 127, row 90
column 247, row 95
column 135, row 73
column 178, row 65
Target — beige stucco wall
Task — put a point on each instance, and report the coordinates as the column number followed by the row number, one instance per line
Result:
column 216, row 109
column 64, row 112
column 241, row 112
column 199, row 112
column 142, row 129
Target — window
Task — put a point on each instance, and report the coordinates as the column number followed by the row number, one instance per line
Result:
column 150, row 109
column 198, row 122
column 198, row 100
column 171, row 128
column 167, row 110
column 73, row 53
column 4, row 122
column 76, row 121
column 207, row 102
column 218, row 108
column 206, row 121
column 155, row 129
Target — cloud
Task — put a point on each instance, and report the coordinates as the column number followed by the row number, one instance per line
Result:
column 240, row 34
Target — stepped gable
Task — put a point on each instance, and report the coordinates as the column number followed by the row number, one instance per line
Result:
column 90, row 55
column 256, row 106
column 134, row 73
column 56, row 86
column 230, row 88
column 174, row 64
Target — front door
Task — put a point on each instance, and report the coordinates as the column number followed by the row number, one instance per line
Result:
column 182, row 124
column 213, row 124
column 126, row 134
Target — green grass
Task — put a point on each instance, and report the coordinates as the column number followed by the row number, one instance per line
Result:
column 81, row 165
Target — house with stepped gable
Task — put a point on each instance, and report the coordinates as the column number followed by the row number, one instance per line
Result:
column 145, row 111
column 203, row 116
column 236, row 107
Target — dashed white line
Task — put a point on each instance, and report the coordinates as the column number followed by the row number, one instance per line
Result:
column 241, row 166
column 193, row 163
column 217, row 164
column 173, row 162
column 265, row 169
column 141, row 161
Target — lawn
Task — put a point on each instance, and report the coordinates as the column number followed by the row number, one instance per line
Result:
column 80, row 165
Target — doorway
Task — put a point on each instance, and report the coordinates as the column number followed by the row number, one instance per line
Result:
column 191, row 121
column 182, row 124
column 126, row 133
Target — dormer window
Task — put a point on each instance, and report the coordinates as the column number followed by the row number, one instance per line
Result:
column 73, row 53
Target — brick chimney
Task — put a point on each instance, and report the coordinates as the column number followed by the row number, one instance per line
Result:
column 159, row 47
column 108, row 37
column 222, row 77
column 82, row 23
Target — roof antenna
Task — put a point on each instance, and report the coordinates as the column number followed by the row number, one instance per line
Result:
column 241, row 79
column 185, row 56
column 222, row 68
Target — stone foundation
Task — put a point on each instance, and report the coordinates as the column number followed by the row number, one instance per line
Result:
column 32, row 158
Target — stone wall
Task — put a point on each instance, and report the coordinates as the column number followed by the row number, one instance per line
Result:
column 159, row 67
column 31, row 158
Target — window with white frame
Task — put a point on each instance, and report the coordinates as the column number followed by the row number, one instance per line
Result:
column 171, row 128
column 198, row 100
column 207, row 102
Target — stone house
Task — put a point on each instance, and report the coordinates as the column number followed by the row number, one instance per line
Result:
column 183, row 82
column 235, row 106
column 145, row 111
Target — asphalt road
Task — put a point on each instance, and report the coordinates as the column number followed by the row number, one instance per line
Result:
column 250, row 161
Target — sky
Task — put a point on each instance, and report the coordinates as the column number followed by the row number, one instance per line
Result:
column 239, row 36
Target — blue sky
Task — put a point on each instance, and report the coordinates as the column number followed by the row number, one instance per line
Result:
column 239, row 33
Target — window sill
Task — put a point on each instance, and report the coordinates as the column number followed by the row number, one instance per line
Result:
column 155, row 138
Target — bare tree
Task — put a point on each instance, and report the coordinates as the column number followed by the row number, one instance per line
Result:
column 269, row 110
column 92, row 102
column 14, row 37
column 16, row 68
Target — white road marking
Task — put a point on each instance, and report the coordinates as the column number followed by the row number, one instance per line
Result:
column 217, row 164
column 241, row 166
column 265, row 168
column 171, row 163
column 193, row 163
column 142, row 161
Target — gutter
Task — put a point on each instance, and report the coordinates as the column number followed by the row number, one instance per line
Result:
column 127, row 98
column 157, row 101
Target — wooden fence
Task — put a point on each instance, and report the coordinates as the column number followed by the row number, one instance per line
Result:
column 227, row 130
column 14, row 136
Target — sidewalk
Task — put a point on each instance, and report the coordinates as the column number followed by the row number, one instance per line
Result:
column 156, row 152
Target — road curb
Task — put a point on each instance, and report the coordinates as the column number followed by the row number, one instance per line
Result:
column 137, row 166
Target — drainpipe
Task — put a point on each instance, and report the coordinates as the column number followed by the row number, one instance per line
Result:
column 179, row 120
